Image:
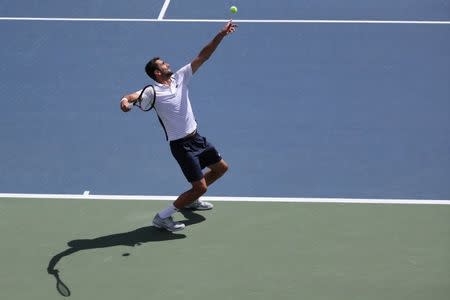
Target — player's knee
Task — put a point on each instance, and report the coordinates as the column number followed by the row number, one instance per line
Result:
column 220, row 168
column 200, row 188
column 223, row 167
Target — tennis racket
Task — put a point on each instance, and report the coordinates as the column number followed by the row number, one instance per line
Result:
column 146, row 100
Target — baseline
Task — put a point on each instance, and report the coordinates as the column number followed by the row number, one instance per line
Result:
column 228, row 199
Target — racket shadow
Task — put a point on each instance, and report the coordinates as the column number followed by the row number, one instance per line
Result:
column 131, row 238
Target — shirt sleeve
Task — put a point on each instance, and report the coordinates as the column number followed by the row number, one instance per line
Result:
column 185, row 74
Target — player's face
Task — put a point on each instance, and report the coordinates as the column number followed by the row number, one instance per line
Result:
column 164, row 68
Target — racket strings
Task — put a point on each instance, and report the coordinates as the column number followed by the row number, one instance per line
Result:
column 147, row 98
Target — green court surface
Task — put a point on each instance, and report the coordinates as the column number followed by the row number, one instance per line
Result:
column 239, row 250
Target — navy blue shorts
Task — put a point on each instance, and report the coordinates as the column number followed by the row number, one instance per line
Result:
column 193, row 154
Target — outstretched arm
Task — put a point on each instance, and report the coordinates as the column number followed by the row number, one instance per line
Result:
column 211, row 47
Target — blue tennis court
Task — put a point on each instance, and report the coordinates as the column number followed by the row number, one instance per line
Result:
column 298, row 110
column 347, row 110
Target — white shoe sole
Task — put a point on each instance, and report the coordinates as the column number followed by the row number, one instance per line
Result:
column 168, row 229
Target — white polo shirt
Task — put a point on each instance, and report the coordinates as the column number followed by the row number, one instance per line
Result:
column 173, row 106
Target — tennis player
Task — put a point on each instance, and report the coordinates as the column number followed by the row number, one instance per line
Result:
column 191, row 150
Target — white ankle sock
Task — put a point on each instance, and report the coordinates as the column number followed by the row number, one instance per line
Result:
column 167, row 212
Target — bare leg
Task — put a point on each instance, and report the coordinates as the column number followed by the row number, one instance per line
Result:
column 200, row 187
column 215, row 172
column 197, row 190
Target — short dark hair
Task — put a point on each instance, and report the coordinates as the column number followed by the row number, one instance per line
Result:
column 151, row 66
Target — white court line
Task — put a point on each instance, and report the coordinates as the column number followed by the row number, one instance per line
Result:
column 230, row 199
column 314, row 21
column 405, row 22
column 162, row 13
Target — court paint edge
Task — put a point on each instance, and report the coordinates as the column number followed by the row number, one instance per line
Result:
column 161, row 19
column 164, row 8
column 229, row 199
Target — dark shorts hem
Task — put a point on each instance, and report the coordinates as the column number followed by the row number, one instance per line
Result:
column 193, row 154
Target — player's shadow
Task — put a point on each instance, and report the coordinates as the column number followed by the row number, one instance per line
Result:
column 131, row 238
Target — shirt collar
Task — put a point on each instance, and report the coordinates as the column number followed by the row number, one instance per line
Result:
column 163, row 85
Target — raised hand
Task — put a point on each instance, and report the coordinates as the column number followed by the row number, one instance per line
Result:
column 229, row 28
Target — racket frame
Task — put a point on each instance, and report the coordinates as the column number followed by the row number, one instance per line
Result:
column 138, row 101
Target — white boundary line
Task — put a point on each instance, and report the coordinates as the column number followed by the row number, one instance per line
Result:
column 160, row 19
column 162, row 13
column 228, row 199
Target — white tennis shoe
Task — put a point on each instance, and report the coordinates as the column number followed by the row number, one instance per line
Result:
column 200, row 205
column 167, row 223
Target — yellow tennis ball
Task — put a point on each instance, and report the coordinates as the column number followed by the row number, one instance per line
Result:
column 233, row 9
